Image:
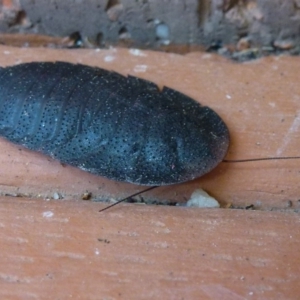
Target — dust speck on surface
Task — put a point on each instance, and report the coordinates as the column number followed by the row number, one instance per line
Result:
column 137, row 52
column 109, row 58
column 48, row 214
column 140, row 68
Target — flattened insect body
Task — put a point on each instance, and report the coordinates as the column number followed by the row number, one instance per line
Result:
column 123, row 128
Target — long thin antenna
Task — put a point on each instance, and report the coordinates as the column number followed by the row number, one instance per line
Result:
column 122, row 200
column 224, row 160
column 258, row 159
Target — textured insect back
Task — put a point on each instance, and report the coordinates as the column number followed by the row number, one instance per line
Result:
column 119, row 127
column 200, row 137
column 35, row 101
column 12, row 97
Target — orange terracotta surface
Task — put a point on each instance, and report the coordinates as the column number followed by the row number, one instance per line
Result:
column 258, row 100
column 67, row 249
column 61, row 249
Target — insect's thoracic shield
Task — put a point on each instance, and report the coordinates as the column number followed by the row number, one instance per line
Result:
column 119, row 127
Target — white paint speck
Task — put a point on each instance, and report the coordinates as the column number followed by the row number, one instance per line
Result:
column 137, row 52
column 97, row 50
column 97, row 252
column 140, row 68
column 228, row 96
column 109, row 58
column 48, row 214
column 6, row 52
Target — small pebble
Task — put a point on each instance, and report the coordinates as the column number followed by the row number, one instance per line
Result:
column 86, row 196
column 201, row 199
column 284, row 44
column 243, row 44
column 162, row 31
column 57, row 196
column 115, row 12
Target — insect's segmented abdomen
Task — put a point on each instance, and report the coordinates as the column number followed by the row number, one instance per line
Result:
column 120, row 127
column 42, row 107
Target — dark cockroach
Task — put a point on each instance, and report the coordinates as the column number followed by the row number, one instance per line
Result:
column 122, row 128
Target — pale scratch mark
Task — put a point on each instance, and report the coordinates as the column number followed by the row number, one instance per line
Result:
column 289, row 135
column 216, row 292
column 69, row 255
column 11, row 278
column 18, row 240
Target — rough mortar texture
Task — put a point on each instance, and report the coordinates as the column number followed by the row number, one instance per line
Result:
column 151, row 23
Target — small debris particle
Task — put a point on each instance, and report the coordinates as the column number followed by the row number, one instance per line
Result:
column 201, row 199
column 15, row 195
column 86, row 196
column 57, row 196
column 228, row 205
column 103, row 240
column 245, row 55
column 243, row 44
column 251, row 206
